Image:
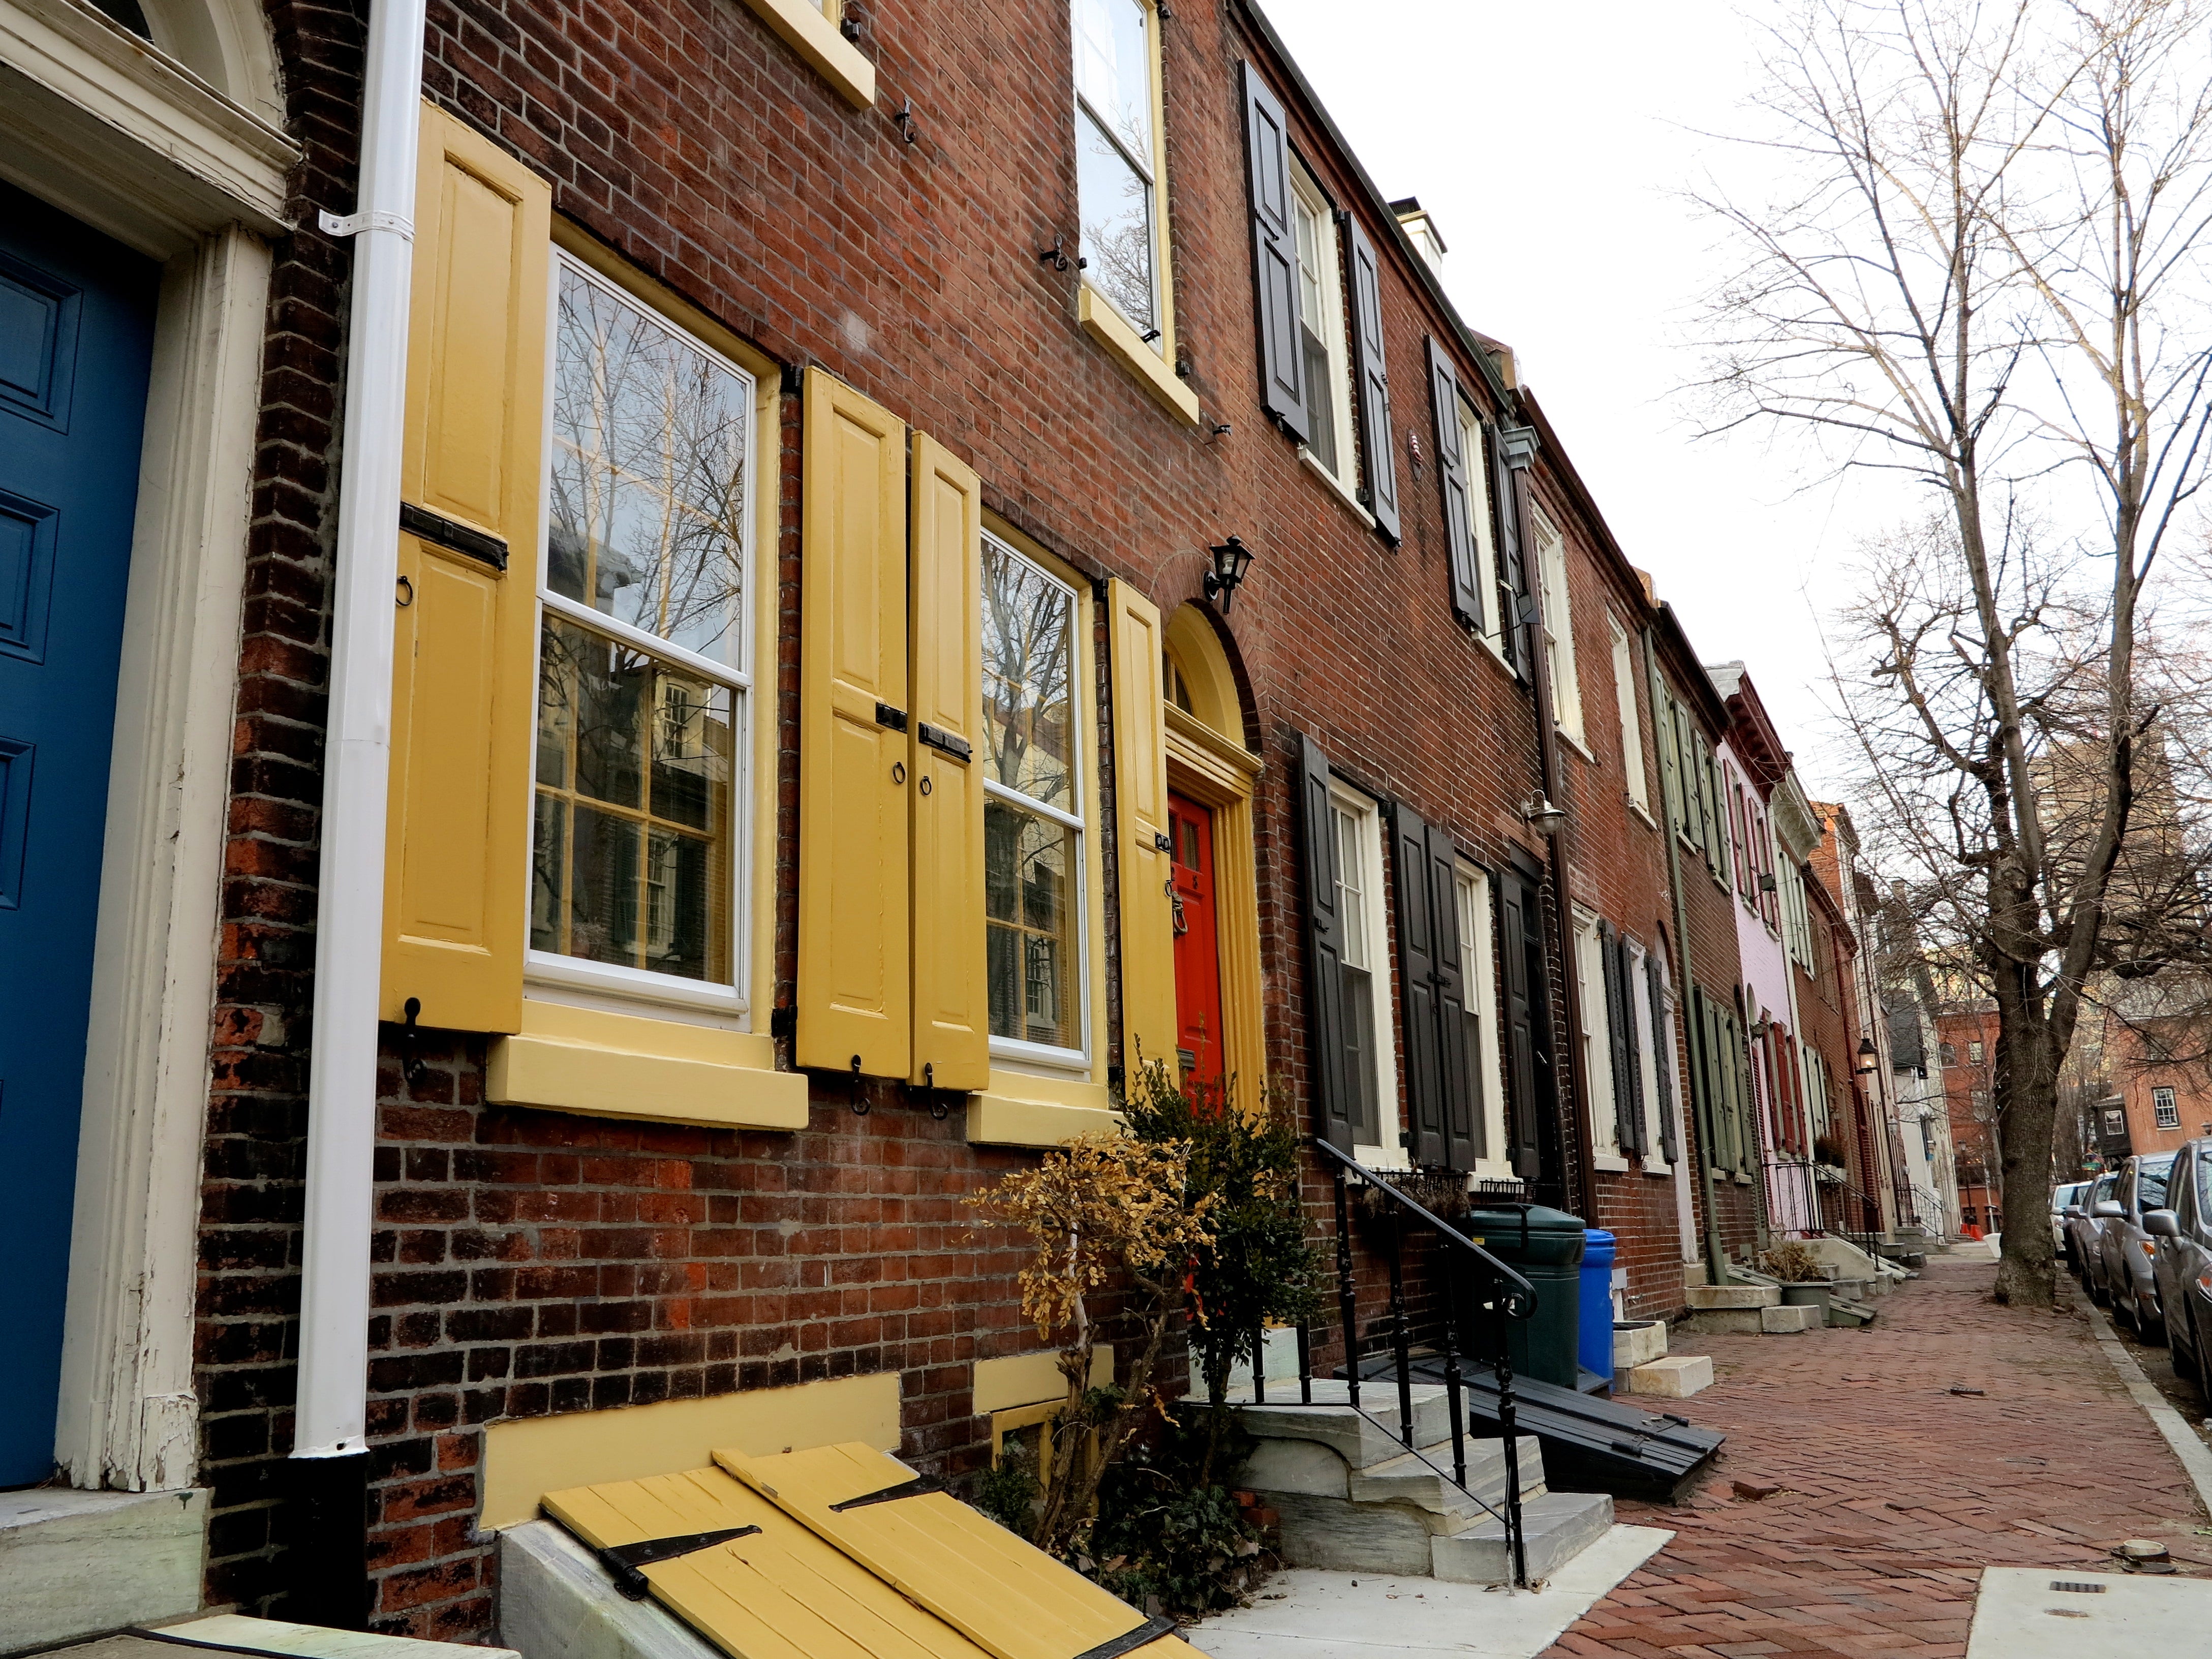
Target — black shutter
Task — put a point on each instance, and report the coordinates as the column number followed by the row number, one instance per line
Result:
column 1638, row 1139
column 1609, row 951
column 1456, row 1057
column 1416, row 988
column 1451, row 480
column 1275, row 257
column 1662, row 1059
column 1521, row 956
column 1378, row 458
column 1699, row 1030
column 1332, row 1085
column 1512, row 570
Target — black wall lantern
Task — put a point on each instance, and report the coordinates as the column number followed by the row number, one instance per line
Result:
column 1230, row 560
column 1869, row 1062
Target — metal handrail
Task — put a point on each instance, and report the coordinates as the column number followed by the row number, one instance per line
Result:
column 1814, row 1200
column 1518, row 1302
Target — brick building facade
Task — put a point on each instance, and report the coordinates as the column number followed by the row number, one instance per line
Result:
column 878, row 231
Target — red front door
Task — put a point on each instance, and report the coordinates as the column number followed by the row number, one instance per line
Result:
column 1197, row 946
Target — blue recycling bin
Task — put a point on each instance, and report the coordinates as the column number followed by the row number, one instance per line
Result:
column 1596, row 1311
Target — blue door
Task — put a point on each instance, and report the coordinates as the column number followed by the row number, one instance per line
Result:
column 76, row 328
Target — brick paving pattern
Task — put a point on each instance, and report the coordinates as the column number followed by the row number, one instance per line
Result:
column 1895, row 1493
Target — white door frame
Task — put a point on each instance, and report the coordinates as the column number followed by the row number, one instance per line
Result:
column 183, row 166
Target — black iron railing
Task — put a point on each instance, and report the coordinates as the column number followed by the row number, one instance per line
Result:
column 1509, row 1296
column 1807, row 1197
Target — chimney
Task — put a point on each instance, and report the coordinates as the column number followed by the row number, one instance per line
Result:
column 1423, row 229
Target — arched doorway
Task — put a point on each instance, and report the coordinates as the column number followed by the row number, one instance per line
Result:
column 1212, row 774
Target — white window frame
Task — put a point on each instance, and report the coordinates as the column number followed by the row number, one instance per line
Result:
column 1558, row 629
column 1634, row 777
column 1040, row 1055
column 1482, row 535
column 1596, row 1038
column 635, row 985
column 1328, row 276
column 1656, row 1162
column 2165, row 1112
column 1471, row 899
column 1374, row 936
column 1151, row 168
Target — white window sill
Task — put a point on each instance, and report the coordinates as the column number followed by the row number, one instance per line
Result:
column 1574, row 741
column 1150, row 368
column 1658, row 1166
column 1337, row 486
column 818, row 39
column 1392, row 1161
column 632, row 985
column 1643, row 817
column 1612, row 1162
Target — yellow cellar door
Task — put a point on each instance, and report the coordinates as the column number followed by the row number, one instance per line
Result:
column 1009, row 1597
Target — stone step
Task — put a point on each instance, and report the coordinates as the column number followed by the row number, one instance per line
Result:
column 1844, row 1312
column 1790, row 1320
column 1637, row 1343
column 1677, row 1377
column 1706, row 1298
column 1330, row 1421
column 1408, row 1479
column 1555, row 1528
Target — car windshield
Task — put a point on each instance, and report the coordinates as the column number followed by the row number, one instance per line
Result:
column 2150, row 1183
column 2104, row 1189
column 2066, row 1195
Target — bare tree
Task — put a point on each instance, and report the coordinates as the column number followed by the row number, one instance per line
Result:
column 1990, row 281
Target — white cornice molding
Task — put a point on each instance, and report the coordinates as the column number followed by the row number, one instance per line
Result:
column 138, row 144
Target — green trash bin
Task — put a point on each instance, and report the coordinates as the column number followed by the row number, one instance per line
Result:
column 1546, row 1246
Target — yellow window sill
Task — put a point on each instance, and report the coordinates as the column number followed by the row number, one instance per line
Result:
column 815, row 38
column 1020, row 1110
column 600, row 1065
column 1029, row 1379
column 1152, row 371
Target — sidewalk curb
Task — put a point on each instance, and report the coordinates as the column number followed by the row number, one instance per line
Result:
column 2196, row 1460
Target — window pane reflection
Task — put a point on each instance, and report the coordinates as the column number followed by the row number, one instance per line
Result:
column 1028, row 863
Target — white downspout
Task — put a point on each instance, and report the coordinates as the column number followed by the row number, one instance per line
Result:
column 330, row 1449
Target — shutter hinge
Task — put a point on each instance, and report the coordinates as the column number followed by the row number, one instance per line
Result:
column 352, row 224
column 943, row 741
column 893, row 718
column 451, row 535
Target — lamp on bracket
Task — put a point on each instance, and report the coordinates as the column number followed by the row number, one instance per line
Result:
column 1232, row 559
column 1868, row 1062
column 1541, row 815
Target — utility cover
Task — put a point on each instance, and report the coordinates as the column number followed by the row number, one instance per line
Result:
column 916, row 1576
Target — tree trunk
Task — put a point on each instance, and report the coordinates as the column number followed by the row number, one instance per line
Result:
column 2026, row 1095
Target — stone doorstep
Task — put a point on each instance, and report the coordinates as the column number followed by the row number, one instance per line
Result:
column 1790, row 1321
column 1360, row 1441
column 274, row 1636
column 1675, row 1377
column 555, row 1601
column 1407, row 1479
column 1638, row 1345
column 73, row 1562
column 1554, row 1529
column 1711, row 1298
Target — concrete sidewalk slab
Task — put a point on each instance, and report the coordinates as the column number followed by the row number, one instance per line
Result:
column 2033, row 1613
column 1358, row 1615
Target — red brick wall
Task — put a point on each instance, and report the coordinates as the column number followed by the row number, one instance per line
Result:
column 531, row 1262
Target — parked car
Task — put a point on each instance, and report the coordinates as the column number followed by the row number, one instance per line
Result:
column 2084, row 1226
column 2128, row 1251
column 2061, row 1198
column 2184, row 1264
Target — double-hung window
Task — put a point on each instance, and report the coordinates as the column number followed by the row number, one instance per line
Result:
column 1596, row 1051
column 1558, row 628
column 1476, row 955
column 2166, row 1107
column 1631, row 728
column 1370, row 1065
column 1117, row 160
column 639, row 843
column 1321, row 331
column 1033, row 825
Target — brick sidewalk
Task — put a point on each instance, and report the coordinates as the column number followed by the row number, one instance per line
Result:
column 1895, row 1493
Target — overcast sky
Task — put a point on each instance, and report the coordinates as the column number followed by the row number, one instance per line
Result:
column 1551, row 143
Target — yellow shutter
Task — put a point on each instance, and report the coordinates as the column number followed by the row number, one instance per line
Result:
column 951, row 1015
column 1140, row 805
column 457, row 858
column 1007, row 1596
column 854, row 937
